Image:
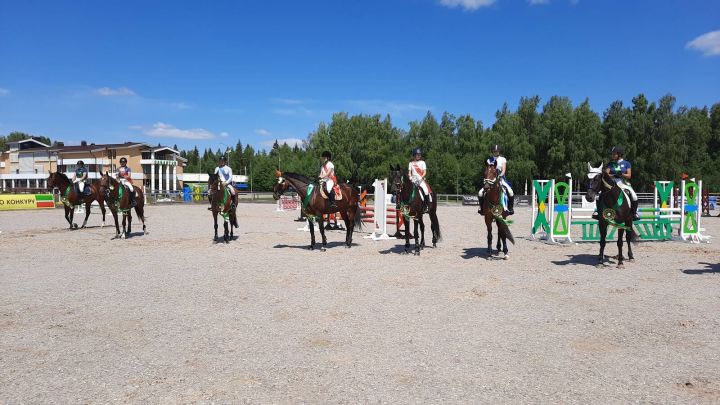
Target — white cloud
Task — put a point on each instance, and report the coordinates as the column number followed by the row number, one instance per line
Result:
column 538, row 2
column 470, row 5
column 182, row 106
column 4, row 92
column 121, row 91
column 388, row 107
column 224, row 134
column 263, row 132
column 163, row 130
column 288, row 101
column 290, row 141
column 293, row 111
column 708, row 43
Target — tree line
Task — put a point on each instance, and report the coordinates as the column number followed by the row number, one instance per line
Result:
column 662, row 140
column 546, row 141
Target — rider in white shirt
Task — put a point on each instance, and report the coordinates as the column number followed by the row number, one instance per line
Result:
column 417, row 171
column 327, row 177
column 501, row 163
column 225, row 175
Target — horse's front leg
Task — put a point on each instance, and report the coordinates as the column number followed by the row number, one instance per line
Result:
column 226, row 233
column 68, row 216
column 321, row 225
column 602, row 225
column 117, row 223
column 311, row 225
column 417, row 237
column 407, row 234
column 620, row 242
column 422, row 233
column 129, row 218
column 87, row 213
column 124, row 223
column 631, row 258
column 488, row 225
column 102, row 209
column 215, row 215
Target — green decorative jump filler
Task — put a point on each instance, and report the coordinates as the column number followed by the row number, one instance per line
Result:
column 555, row 217
column 541, row 202
column 562, row 206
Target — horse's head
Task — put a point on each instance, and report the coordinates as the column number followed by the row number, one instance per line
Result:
column 280, row 185
column 107, row 183
column 594, row 180
column 213, row 182
column 52, row 180
column 396, row 179
column 490, row 174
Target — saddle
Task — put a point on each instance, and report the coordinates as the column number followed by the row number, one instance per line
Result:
column 336, row 189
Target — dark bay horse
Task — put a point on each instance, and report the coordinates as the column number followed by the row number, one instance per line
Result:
column 410, row 205
column 494, row 210
column 613, row 210
column 118, row 199
column 315, row 206
column 70, row 197
column 223, row 203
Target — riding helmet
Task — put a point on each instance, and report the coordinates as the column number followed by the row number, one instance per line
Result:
column 222, row 159
column 495, row 148
column 416, row 151
column 123, row 160
column 618, row 149
column 80, row 162
column 326, row 154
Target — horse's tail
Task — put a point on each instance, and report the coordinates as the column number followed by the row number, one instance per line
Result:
column 435, row 224
column 358, row 223
column 505, row 229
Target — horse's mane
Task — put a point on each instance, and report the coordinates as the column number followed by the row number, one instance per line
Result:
column 298, row 177
column 64, row 176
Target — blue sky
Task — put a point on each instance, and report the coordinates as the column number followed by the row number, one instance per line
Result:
column 210, row 73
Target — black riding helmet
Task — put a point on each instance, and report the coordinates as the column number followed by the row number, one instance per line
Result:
column 495, row 148
column 618, row 149
column 326, row 154
column 416, row 151
column 222, row 159
column 80, row 162
column 123, row 160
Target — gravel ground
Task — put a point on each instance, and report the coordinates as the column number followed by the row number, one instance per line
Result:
column 171, row 317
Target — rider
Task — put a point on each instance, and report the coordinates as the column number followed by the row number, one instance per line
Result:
column 80, row 176
column 621, row 171
column 417, row 171
column 501, row 164
column 225, row 175
column 124, row 174
column 327, row 177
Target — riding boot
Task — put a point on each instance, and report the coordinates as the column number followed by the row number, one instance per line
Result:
column 511, row 204
column 481, row 200
column 133, row 203
column 634, row 208
column 331, row 199
column 424, row 198
column 233, row 203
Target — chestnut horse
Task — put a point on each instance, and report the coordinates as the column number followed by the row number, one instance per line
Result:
column 411, row 206
column 315, row 206
column 494, row 210
column 118, row 199
column 222, row 201
column 70, row 197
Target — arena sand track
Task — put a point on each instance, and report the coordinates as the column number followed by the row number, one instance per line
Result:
column 171, row 317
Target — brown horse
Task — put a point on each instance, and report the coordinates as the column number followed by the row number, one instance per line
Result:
column 70, row 197
column 411, row 206
column 118, row 199
column 614, row 210
column 315, row 206
column 223, row 203
column 493, row 210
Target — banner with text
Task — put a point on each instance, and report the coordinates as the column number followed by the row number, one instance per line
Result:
column 26, row 201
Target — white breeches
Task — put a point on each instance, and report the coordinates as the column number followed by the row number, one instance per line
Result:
column 231, row 188
column 329, row 184
column 628, row 188
column 81, row 185
column 425, row 190
column 503, row 183
column 128, row 184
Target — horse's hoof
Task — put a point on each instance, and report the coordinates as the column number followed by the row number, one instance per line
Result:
column 75, row 226
column 620, row 266
column 434, row 245
column 322, row 249
column 348, row 246
column 631, row 260
column 506, row 256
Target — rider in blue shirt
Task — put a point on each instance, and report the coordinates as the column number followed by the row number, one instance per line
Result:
column 621, row 172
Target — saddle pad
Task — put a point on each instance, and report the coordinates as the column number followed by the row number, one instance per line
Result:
column 338, row 193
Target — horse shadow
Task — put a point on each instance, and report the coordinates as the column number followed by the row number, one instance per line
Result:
column 473, row 252
column 329, row 245
column 581, row 259
column 709, row 268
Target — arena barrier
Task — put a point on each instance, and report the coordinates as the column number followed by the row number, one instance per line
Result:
column 288, row 203
column 382, row 204
column 555, row 219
